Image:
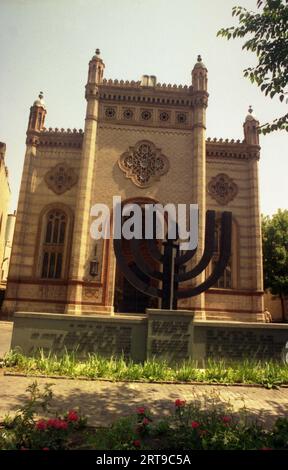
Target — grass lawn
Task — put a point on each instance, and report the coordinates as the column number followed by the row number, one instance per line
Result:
column 266, row 373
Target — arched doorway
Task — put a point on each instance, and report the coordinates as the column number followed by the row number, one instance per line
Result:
column 128, row 299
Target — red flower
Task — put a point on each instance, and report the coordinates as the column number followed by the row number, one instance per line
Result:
column 202, row 432
column 141, row 410
column 179, row 403
column 41, row 425
column 72, row 416
column 226, row 419
column 45, row 448
column 195, row 424
column 136, row 443
column 62, row 424
column 51, row 422
column 145, row 421
column 266, row 448
column 57, row 423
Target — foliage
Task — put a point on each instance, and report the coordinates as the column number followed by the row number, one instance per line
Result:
column 275, row 252
column 266, row 373
column 213, row 426
column 267, row 36
column 25, row 431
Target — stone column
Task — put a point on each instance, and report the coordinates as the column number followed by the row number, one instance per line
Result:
column 252, row 140
column 82, row 210
column 200, row 99
column 35, row 125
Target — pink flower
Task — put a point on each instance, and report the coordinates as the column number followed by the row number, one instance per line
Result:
column 41, row 425
column 136, row 443
column 23, row 448
column 202, row 432
column 72, row 416
column 226, row 419
column 195, row 424
column 145, row 421
column 266, row 448
column 141, row 410
column 45, row 448
column 180, row 403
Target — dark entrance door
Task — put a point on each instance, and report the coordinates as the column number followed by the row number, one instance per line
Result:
column 128, row 299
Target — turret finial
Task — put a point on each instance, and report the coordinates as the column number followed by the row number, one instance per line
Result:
column 250, row 109
column 199, row 58
column 41, row 95
column 97, row 52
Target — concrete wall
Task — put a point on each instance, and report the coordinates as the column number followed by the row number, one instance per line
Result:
column 173, row 336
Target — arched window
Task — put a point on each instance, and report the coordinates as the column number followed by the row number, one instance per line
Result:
column 53, row 248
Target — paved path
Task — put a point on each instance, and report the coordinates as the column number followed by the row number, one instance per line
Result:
column 104, row 401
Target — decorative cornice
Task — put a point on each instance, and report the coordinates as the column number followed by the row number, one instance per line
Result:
column 132, row 84
column 230, row 149
column 56, row 130
column 226, row 141
column 56, row 137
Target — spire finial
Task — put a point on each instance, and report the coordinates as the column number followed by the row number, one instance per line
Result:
column 250, row 109
column 199, row 58
column 41, row 95
column 97, row 52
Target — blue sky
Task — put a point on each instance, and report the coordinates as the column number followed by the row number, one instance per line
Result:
column 47, row 44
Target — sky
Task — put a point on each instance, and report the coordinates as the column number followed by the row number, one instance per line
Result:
column 46, row 45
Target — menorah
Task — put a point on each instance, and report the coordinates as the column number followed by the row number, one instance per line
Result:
column 174, row 263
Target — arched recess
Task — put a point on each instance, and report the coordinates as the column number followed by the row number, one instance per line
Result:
column 112, row 277
column 230, row 277
column 54, row 241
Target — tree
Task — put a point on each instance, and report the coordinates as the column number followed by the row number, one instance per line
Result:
column 275, row 253
column 267, row 36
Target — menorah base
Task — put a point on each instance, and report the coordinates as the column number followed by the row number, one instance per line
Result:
column 170, row 334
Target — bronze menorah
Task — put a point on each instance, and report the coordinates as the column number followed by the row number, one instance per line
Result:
column 174, row 263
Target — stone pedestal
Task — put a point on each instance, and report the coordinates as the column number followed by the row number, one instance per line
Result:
column 170, row 334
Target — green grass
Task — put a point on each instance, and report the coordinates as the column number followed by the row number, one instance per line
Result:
column 265, row 373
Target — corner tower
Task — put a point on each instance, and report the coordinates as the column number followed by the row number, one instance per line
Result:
column 199, row 103
column 82, row 210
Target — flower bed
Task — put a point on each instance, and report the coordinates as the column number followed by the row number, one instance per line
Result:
column 189, row 427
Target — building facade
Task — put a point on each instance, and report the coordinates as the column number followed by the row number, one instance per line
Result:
column 145, row 142
column 5, row 194
column 9, row 232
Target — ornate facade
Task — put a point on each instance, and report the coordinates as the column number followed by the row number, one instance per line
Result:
column 143, row 141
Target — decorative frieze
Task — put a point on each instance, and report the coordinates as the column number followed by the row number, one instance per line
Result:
column 146, row 116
